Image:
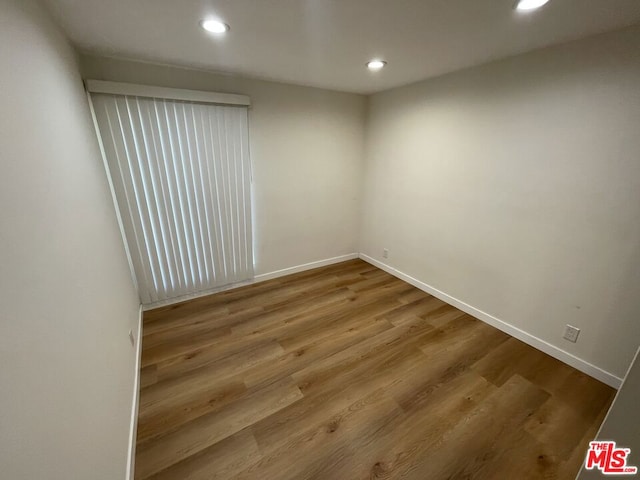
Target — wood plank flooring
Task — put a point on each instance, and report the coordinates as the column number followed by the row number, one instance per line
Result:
column 345, row 372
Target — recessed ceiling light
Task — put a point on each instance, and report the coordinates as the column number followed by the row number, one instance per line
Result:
column 214, row 26
column 525, row 5
column 376, row 64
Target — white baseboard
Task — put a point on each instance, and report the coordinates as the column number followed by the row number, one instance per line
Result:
column 133, row 427
column 191, row 296
column 563, row 356
column 258, row 278
column 303, row 267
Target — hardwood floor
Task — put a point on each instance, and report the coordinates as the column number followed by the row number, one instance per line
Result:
column 346, row 372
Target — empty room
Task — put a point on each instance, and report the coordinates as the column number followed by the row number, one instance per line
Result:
column 319, row 239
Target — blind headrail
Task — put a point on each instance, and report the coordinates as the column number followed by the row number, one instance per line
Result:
column 151, row 91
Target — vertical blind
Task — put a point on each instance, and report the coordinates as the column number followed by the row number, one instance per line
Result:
column 181, row 175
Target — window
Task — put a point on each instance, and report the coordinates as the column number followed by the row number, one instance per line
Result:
column 180, row 171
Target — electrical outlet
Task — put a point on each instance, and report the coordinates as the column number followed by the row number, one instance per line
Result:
column 571, row 333
column 385, row 253
column 132, row 339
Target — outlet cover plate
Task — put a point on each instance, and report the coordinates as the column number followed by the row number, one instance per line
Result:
column 571, row 333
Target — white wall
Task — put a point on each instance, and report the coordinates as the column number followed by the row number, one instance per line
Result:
column 67, row 300
column 306, row 150
column 515, row 187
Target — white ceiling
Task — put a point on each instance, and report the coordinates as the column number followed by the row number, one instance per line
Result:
column 326, row 43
